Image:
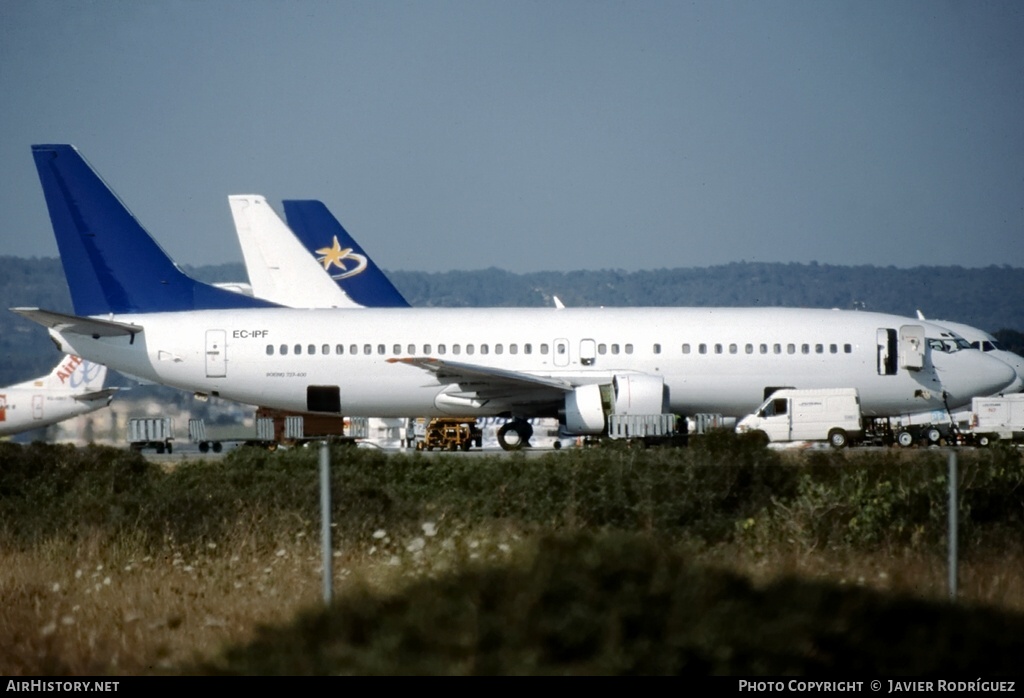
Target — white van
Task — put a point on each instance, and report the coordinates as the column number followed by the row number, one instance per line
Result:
column 831, row 414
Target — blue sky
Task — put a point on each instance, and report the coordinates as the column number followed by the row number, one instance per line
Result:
column 536, row 135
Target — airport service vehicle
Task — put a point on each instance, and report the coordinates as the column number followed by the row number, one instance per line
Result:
column 831, row 415
column 450, row 434
column 151, row 432
column 997, row 419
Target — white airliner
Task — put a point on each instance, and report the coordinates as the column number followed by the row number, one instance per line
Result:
column 138, row 313
column 311, row 262
column 72, row 388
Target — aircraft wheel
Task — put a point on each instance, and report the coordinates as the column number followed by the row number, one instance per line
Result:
column 905, row 439
column 837, row 438
column 512, row 437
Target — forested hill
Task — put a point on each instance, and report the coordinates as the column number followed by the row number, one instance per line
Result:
column 991, row 298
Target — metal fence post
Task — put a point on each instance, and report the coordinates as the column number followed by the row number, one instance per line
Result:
column 953, row 523
column 325, row 518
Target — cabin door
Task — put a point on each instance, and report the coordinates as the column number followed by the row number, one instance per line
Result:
column 216, row 355
column 912, row 347
column 37, row 407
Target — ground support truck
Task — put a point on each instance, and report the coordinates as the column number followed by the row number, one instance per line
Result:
column 450, row 434
column 995, row 419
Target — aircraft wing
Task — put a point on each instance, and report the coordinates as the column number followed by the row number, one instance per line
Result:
column 88, row 326
column 491, row 384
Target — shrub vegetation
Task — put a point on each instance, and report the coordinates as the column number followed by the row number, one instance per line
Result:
column 724, row 557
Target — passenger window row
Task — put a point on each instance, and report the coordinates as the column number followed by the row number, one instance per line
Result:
column 396, row 349
column 769, row 349
column 602, row 349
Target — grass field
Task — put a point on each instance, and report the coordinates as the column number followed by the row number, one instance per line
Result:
column 721, row 558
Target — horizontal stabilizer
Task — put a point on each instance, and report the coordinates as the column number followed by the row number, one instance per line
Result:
column 90, row 327
column 96, row 395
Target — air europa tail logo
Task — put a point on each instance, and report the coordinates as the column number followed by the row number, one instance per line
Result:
column 86, row 373
column 350, row 262
column 77, row 372
column 67, row 369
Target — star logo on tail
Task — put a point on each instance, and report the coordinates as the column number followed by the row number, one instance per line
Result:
column 336, row 256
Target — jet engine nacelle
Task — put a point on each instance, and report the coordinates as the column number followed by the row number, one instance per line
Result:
column 636, row 393
column 588, row 406
column 584, row 410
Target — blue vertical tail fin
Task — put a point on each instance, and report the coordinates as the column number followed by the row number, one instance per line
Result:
column 341, row 256
column 111, row 263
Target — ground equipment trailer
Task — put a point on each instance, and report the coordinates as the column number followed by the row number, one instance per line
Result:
column 213, row 437
column 156, row 433
column 273, row 428
column 301, row 428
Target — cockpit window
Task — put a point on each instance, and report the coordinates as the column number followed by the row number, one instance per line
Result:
column 948, row 344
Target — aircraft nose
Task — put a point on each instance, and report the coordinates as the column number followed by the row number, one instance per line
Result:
column 1016, row 386
column 968, row 374
column 1016, row 362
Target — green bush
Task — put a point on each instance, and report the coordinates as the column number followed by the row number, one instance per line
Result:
column 711, row 491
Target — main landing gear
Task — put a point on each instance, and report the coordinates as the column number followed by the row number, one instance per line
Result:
column 515, row 435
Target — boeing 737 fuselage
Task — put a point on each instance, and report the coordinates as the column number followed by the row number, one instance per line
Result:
column 493, row 361
column 138, row 313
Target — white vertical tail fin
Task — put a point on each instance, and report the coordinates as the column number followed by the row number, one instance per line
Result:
column 279, row 267
column 73, row 374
